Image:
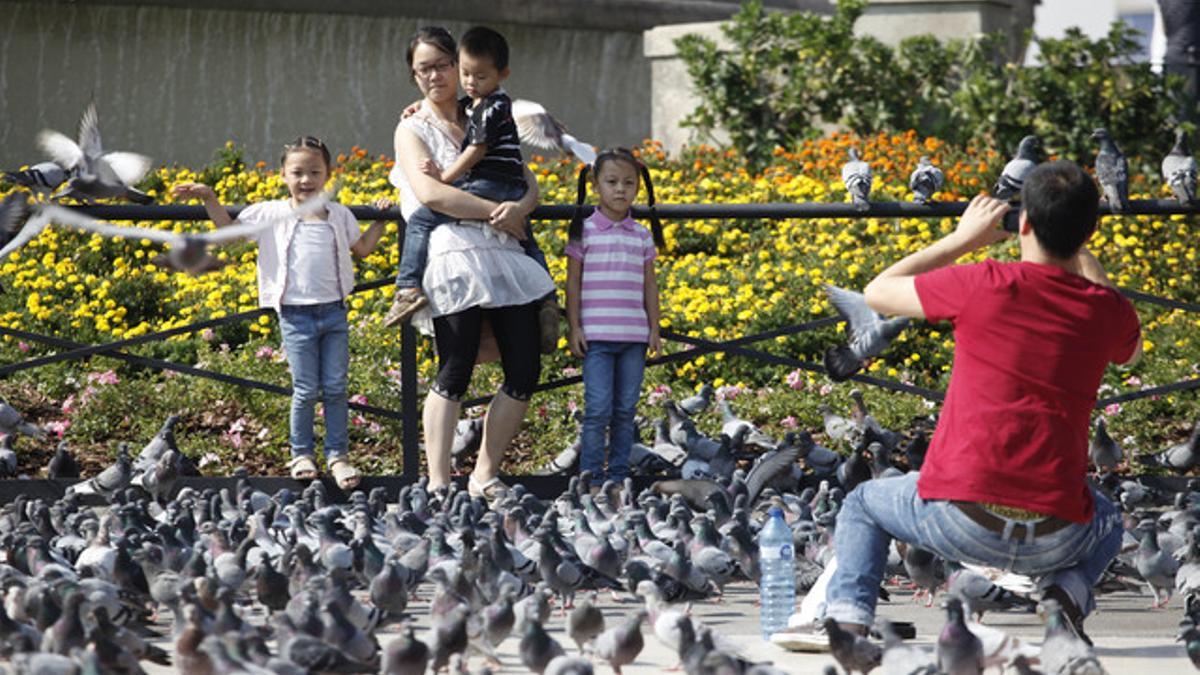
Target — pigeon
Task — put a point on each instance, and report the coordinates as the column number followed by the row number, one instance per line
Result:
column 62, row 464
column 14, row 216
column 925, row 569
column 1012, row 179
column 13, row 422
column 564, row 462
column 1104, row 452
column 111, row 480
column 1112, row 171
column 1190, row 637
column 537, row 648
column 188, row 252
column 1179, row 169
column 959, row 652
column 1156, row 567
column 620, row 645
column 1182, row 457
column 868, row 331
column 854, row 653
column 568, row 665
column 8, row 458
column 406, row 655
column 858, row 178
column 585, row 622
column 980, row 594
column 98, row 174
column 468, row 434
column 901, row 659
column 538, row 128
column 925, row 180
column 697, row 404
column 1063, row 651
column 43, row 178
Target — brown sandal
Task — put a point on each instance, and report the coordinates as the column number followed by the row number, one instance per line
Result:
column 405, row 303
column 344, row 474
column 302, row 467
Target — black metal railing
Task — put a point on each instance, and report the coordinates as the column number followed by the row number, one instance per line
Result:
column 408, row 413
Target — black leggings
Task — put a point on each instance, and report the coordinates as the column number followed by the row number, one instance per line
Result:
column 517, row 336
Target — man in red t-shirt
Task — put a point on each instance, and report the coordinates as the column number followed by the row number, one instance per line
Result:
column 1003, row 483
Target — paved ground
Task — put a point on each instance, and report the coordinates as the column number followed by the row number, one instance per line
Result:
column 1130, row 638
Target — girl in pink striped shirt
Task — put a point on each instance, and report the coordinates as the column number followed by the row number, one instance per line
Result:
column 612, row 309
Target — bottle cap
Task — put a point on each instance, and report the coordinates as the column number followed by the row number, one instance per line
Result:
column 775, row 511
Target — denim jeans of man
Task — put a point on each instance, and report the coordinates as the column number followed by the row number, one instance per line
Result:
column 877, row 511
column 422, row 222
column 316, row 339
column 612, row 381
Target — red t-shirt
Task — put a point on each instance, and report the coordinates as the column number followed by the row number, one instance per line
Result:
column 1032, row 342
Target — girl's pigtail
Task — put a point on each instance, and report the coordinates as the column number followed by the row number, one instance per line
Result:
column 575, row 231
column 655, row 226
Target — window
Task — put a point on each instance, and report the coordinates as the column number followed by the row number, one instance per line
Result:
column 1143, row 22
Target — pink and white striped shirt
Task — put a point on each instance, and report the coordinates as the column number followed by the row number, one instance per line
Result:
column 612, row 303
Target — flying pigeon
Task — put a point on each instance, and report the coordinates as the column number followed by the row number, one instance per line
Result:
column 869, row 332
column 1112, row 171
column 1179, row 169
column 17, row 227
column 188, row 251
column 99, row 174
column 1013, row 177
column 538, row 128
column 858, row 177
column 925, row 180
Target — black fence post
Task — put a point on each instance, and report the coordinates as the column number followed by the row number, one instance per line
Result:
column 408, row 403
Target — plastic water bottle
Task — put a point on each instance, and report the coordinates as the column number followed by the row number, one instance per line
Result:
column 777, row 586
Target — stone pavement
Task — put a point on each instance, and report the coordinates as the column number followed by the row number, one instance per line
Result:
column 1131, row 638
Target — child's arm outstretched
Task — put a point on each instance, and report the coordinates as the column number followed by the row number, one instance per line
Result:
column 650, row 286
column 369, row 239
column 208, row 197
column 575, row 340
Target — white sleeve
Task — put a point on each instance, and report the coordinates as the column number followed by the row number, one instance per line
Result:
column 254, row 213
column 349, row 224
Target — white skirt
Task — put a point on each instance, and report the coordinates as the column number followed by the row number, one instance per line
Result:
column 472, row 264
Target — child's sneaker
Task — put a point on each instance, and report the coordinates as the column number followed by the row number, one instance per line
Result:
column 406, row 302
column 548, row 324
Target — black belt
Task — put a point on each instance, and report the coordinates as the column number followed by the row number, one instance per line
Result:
column 990, row 521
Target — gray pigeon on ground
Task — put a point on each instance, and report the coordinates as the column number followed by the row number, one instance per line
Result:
column 1182, row 457
column 854, row 653
column 903, row 659
column 1013, row 177
column 620, row 645
column 1064, row 652
column 537, row 648
column 406, row 655
column 698, row 403
column 925, row 180
column 468, row 434
column 8, row 458
column 1179, row 169
column 1112, row 171
column 111, row 480
column 868, row 333
column 959, row 652
column 99, row 174
column 569, row 665
column 13, row 422
column 585, row 622
column 1104, row 452
column 980, row 594
column 1156, row 567
column 62, row 464
column 859, row 179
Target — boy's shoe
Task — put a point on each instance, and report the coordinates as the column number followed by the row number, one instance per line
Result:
column 405, row 303
column 1070, row 610
column 548, row 324
column 803, row 639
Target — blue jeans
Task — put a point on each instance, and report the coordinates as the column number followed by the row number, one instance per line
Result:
column 316, row 339
column 612, row 381
column 415, row 252
column 878, row 510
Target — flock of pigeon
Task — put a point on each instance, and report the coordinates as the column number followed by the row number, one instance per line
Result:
column 291, row 583
column 1111, row 167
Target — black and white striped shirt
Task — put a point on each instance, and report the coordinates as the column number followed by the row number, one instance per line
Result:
column 491, row 123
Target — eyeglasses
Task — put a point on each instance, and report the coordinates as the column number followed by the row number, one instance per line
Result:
column 426, row 72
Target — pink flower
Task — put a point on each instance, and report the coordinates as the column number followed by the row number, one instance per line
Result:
column 374, row 428
column 789, row 422
column 68, row 405
column 728, row 392
column 795, row 379
column 570, row 371
column 572, row 405
column 653, row 398
column 107, row 377
column 1112, row 409
column 265, row 352
column 359, row 399
column 207, row 335
column 542, row 412
column 23, row 346
column 663, row 389
column 358, row 420
column 1133, row 381
column 234, row 439
column 826, row 389
column 58, row 428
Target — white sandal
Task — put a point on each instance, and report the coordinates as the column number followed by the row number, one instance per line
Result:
column 491, row 490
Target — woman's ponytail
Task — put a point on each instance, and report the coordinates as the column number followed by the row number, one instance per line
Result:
column 655, row 226
column 575, row 230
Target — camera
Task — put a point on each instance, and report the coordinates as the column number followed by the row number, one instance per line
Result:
column 1012, row 220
